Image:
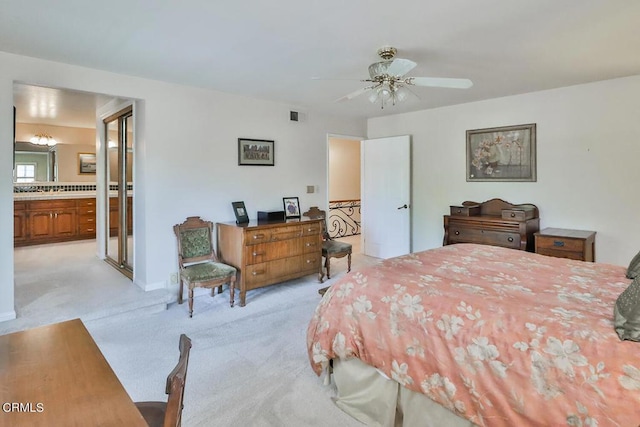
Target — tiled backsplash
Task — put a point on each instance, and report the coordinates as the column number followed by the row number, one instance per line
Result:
column 45, row 187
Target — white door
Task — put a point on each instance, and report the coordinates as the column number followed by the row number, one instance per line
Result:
column 386, row 196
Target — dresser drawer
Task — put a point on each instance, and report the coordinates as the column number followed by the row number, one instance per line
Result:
column 472, row 210
column 311, row 244
column 286, row 233
column 518, row 214
column 264, row 252
column 485, row 237
column 254, row 237
column 268, row 272
column 313, row 229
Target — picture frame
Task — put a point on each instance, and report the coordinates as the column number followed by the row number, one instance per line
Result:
column 291, row 207
column 86, row 163
column 240, row 212
column 256, row 152
column 505, row 153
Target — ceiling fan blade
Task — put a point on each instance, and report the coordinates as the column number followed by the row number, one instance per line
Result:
column 353, row 94
column 440, row 82
column 400, row 67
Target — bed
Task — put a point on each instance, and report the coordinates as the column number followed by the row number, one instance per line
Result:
column 480, row 335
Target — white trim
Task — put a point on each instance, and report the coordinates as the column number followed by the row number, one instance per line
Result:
column 9, row 315
column 151, row 286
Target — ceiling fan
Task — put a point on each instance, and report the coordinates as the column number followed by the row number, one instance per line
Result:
column 389, row 81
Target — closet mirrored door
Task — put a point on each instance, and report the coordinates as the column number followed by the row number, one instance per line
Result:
column 119, row 179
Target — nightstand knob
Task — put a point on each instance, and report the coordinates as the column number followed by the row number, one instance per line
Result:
column 457, row 233
column 510, row 239
column 513, row 214
column 558, row 243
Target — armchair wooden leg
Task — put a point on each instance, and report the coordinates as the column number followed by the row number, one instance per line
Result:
column 180, row 290
column 327, row 266
column 349, row 262
column 219, row 289
column 190, row 302
column 232, row 290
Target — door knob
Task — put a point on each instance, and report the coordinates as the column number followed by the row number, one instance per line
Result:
column 403, row 206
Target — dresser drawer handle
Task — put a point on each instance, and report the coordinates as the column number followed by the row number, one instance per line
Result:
column 311, row 244
column 510, row 239
column 89, row 211
column 457, row 233
column 258, row 236
column 257, row 253
column 513, row 214
column 459, row 211
column 558, row 243
column 255, row 273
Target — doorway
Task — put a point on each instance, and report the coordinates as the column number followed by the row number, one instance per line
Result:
column 344, row 213
column 119, row 186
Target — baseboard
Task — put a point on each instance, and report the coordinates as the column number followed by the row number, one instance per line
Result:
column 8, row 315
column 151, row 286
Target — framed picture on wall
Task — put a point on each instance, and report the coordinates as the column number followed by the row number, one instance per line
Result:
column 256, row 152
column 86, row 163
column 502, row 154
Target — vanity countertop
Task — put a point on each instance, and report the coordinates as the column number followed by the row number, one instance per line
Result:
column 51, row 195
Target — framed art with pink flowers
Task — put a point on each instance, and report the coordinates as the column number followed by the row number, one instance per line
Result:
column 505, row 153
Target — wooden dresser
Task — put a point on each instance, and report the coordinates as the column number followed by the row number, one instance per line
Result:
column 270, row 252
column 563, row 243
column 494, row 222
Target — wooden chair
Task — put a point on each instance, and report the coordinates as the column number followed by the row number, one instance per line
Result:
column 169, row 413
column 199, row 266
column 330, row 248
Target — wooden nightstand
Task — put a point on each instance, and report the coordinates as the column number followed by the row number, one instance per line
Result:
column 563, row 243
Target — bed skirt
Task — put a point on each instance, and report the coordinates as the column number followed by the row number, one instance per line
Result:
column 368, row 396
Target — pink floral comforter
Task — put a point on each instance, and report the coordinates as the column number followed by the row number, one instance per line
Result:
column 499, row 336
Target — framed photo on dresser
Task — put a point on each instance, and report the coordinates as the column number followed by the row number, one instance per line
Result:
column 291, row 207
column 240, row 212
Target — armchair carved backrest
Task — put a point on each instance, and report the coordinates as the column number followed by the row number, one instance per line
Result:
column 194, row 241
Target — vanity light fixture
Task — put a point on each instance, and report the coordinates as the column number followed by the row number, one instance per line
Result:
column 43, row 139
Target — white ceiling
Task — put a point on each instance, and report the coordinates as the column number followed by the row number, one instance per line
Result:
column 273, row 50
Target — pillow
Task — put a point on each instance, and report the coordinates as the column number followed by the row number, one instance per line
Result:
column 634, row 267
column 626, row 312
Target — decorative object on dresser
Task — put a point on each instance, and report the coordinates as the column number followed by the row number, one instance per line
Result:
column 240, row 212
column 494, row 222
column 330, row 248
column 255, row 152
column 198, row 263
column 564, row 243
column 502, row 154
column 291, row 207
column 271, row 216
column 266, row 253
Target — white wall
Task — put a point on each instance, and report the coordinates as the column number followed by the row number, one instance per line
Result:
column 588, row 145
column 186, row 157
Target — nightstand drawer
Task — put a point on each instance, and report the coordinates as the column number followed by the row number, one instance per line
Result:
column 559, row 243
column 562, row 243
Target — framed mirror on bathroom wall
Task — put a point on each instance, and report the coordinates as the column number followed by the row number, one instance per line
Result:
column 60, row 163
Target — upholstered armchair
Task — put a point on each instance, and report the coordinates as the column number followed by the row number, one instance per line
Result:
column 198, row 262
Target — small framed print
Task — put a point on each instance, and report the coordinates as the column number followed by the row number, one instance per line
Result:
column 291, row 207
column 255, row 152
column 240, row 212
column 86, row 163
